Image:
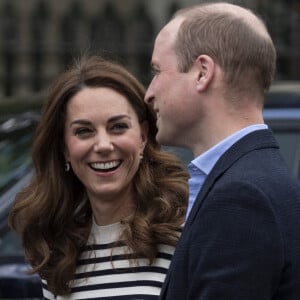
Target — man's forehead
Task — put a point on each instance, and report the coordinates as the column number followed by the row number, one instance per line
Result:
column 170, row 30
column 165, row 40
column 167, row 36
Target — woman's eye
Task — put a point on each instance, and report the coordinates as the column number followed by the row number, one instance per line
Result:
column 120, row 127
column 83, row 132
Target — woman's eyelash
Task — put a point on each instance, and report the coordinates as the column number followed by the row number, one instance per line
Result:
column 120, row 126
column 83, row 130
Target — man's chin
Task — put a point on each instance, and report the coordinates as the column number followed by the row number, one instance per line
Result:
column 160, row 138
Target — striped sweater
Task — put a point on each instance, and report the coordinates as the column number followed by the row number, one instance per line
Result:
column 104, row 271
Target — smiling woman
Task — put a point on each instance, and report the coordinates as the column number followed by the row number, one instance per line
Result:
column 103, row 212
column 104, row 142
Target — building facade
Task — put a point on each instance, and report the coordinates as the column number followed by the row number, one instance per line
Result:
column 39, row 38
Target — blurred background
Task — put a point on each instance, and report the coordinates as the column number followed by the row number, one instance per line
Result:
column 38, row 38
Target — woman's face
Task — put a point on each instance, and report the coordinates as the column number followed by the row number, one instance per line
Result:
column 103, row 143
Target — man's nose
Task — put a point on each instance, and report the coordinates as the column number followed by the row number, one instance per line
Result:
column 149, row 96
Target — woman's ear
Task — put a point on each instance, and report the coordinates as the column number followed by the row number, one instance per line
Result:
column 66, row 154
column 206, row 68
column 144, row 134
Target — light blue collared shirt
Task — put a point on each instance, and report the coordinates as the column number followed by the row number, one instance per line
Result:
column 201, row 166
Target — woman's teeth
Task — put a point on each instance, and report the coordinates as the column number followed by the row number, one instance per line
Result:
column 104, row 166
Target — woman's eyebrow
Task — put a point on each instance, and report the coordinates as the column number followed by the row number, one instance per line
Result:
column 80, row 122
column 112, row 119
column 119, row 117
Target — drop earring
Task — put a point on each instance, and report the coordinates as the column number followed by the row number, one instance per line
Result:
column 67, row 166
column 141, row 156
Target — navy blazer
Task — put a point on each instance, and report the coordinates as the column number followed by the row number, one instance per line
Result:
column 242, row 238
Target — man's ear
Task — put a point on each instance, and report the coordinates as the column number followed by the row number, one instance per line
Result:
column 206, row 68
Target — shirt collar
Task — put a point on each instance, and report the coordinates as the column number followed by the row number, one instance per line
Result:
column 206, row 161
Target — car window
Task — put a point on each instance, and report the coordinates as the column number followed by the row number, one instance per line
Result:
column 16, row 134
column 14, row 159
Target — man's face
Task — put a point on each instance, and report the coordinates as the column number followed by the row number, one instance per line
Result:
column 169, row 90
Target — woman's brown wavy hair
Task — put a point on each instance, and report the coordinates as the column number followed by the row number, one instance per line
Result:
column 52, row 213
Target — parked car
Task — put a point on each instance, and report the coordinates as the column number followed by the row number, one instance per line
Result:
column 16, row 133
column 281, row 113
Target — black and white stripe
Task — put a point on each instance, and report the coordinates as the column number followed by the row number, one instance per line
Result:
column 105, row 272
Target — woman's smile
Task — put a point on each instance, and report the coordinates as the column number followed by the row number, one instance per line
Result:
column 106, row 166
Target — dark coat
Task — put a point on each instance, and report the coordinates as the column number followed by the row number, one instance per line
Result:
column 242, row 238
